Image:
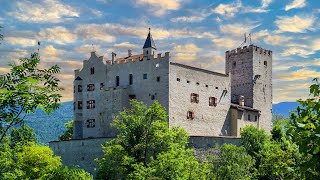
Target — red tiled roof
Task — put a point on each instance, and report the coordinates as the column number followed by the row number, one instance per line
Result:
column 133, row 57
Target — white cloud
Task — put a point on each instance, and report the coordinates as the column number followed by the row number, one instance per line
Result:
column 160, row 7
column 238, row 29
column 265, row 3
column 295, row 4
column 188, row 19
column 228, row 10
column 50, row 51
column 187, row 48
column 225, row 43
column 58, row 35
column 297, row 51
column 295, row 24
column 125, row 45
column 276, row 40
column 24, row 42
column 301, row 74
column 316, row 45
column 94, row 32
column 46, row 11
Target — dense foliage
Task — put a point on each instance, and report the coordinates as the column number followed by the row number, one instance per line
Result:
column 304, row 130
column 67, row 135
column 146, row 147
column 26, row 88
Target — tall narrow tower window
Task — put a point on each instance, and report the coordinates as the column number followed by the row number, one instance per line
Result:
column 117, row 81
column 130, row 79
column 265, row 63
column 92, row 70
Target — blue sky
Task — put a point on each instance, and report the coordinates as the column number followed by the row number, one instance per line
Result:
column 196, row 32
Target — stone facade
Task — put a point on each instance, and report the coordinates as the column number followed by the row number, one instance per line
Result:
column 204, row 102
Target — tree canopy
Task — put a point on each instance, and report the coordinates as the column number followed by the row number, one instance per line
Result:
column 26, row 88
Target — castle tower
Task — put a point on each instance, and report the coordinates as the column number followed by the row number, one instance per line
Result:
column 149, row 47
column 250, row 69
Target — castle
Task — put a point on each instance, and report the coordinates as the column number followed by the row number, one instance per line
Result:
column 204, row 102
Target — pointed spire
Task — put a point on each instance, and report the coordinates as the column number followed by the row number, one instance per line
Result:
column 149, row 41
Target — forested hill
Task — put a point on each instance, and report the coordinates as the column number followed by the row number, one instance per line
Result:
column 49, row 127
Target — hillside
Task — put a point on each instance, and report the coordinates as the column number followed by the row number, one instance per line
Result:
column 49, row 127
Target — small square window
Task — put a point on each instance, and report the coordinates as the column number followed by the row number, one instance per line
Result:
column 152, row 97
column 79, row 104
column 91, row 123
column 101, row 86
column 158, row 79
column 198, row 83
column 79, row 88
column 190, row 115
column 145, row 76
column 188, row 81
column 132, row 96
column 212, row 101
column 207, row 85
column 217, row 88
column 178, row 79
column 194, row 98
column 90, row 87
column 91, row 104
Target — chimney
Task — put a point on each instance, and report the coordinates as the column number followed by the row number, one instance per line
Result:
column 113, row 57
column 241, row 100
column 129, row 52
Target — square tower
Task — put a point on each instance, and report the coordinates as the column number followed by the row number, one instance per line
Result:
column 250, row 69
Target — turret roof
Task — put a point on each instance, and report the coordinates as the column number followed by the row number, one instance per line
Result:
column 149, row 42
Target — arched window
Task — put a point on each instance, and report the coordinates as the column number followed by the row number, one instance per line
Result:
column 265, row 63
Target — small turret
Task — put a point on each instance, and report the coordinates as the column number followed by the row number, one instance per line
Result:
column 149, row 47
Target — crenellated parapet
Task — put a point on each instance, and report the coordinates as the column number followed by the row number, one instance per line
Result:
column 139, row 58
column 246, row 49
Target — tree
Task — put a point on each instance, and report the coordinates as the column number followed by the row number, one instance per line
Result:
column 24, row 89
column 68, row 173
column 233, row 163
column 23, row 135
column 146, row 147
column 67, row 135
column 304, row 130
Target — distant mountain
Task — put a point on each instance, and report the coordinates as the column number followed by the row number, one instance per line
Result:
column 49, row 127
column 284, row 108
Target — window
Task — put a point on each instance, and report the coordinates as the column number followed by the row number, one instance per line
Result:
column 217, row 88
column 234, row 64
column 90, row 87
column 190, row 115
column 256, row 118
column 145, row 76
column 152, row 97
column 79, row 88
column 249, row 117
column 207, row 85
column 188, row 81
column 194, row 98
column 132, row 96
column 91, row 123
column 91, row 104
column 178, row 79
column 265, row 63
column 79, row 104
column 117, row 80
column 158, row 79
column 212, row 101
column 198, row 83
column 101, row 86
column 130, row 79
column 92, row 70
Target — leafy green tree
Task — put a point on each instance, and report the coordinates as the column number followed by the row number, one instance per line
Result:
column 146, row 147
column 233, row 162
column 68, row 173
column 304, row 129
column 67, row 135
column 24, row 89
column 22, row 135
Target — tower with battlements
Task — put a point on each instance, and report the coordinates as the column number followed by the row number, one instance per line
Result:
column 250, row 69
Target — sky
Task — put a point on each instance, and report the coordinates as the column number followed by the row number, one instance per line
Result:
column 195, row 32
